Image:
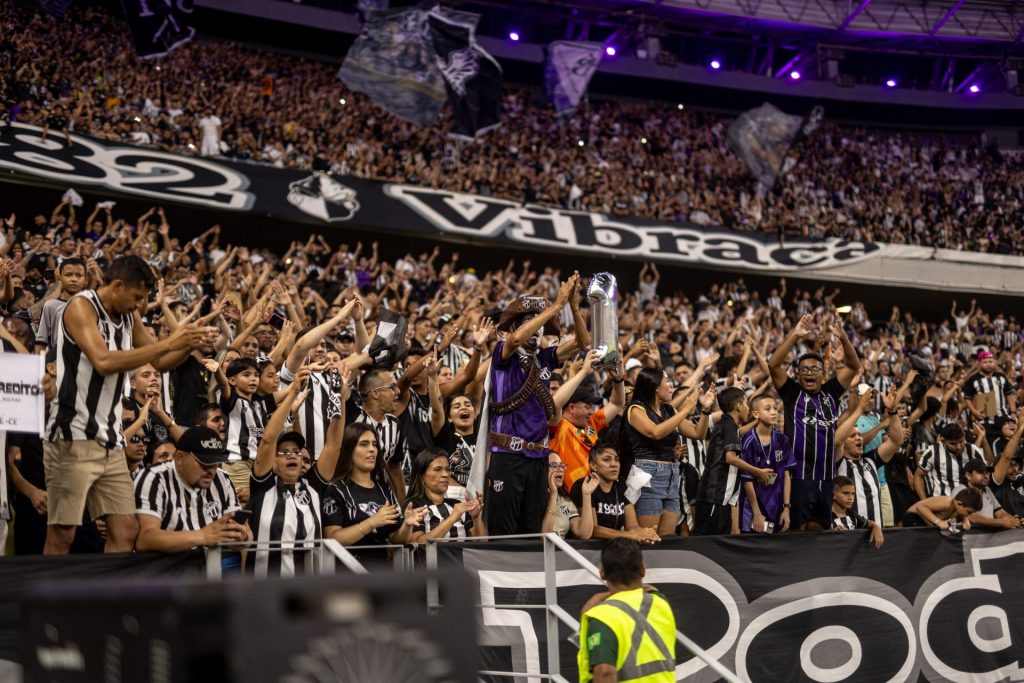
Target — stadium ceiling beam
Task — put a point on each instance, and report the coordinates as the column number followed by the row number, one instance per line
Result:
column 970, row 77
column 946, row 17
column 853, row 15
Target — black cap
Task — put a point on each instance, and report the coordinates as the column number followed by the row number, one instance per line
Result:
column 977, row 465
column 205, row 444
column 346, row 336
column 587, row 392
column 292, row 437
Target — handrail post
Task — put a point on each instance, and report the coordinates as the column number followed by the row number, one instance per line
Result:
column 551, row 598
column 433, row 589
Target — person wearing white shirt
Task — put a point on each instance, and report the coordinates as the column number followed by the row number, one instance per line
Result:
column 210, row 126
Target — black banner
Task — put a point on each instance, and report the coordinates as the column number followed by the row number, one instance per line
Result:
column 793, row 607
column 158, row 26
column 320, row 198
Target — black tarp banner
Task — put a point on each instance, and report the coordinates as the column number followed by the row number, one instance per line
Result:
column 294, row 196
column 792, row 607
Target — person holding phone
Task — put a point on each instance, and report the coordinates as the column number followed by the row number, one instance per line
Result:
column 188, row 501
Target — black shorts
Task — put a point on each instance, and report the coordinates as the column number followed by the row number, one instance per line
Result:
column 516, row 494
column 712, row 520
column 812, row 503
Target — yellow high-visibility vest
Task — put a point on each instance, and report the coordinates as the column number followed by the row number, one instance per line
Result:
column 645, row 628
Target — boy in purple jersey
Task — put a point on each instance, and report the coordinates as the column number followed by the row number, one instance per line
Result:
column 764, row 447
column 812, row 409
column 521, row 408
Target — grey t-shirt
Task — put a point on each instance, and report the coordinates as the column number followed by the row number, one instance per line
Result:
column 49, row 321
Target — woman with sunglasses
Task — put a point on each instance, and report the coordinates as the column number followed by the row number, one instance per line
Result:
column 562, row 515
column 431, row 475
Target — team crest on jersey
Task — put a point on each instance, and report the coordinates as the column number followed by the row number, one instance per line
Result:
column 212, row 509
column 545, row 374
column 301, row 497
column 330, row 506
column 778, row 456
column 497, row 485
column 370, row 509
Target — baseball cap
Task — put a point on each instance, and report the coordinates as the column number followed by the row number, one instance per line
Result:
column 204, row 444
column 292, row 437
column 587, row 392
column 977, row 465
column 633, row 363
column 982, row 355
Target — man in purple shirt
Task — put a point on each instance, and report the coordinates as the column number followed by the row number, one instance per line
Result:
column 521, row 408
column 765, row 447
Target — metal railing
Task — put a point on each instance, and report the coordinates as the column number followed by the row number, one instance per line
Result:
column 319, row 556
column 553, row 612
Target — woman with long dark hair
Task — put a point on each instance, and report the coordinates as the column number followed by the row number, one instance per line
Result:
column 360, row 507
column 431, row 474
column 652, row 430
column 614, row 515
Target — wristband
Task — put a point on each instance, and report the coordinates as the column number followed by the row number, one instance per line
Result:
column 892, row 413
column 618, row 381
column 786, row 506
column 705, row 412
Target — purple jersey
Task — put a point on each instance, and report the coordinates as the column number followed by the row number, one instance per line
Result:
column 530, row 422
column 777, row 456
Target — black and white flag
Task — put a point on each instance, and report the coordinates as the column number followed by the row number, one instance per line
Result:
column 388, row 345
column 472, row 77
column 392, row 61
column 158, row 26
column 763, row 138
column 567, row 72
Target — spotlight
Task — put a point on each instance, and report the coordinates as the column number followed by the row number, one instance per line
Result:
column 580, row 143
column 975, row 89
column 643, row 141
column 513, row 36
column 891, row 83
column 715, row 64
column 610, row 51
column 795, row 75
column 680, row 107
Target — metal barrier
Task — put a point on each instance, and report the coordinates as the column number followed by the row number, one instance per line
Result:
column 320, row 556
column 553, row 613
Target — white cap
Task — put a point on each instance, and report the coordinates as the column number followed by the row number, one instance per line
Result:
column 633, row 363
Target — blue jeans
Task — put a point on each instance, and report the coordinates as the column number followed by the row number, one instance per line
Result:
column 662, row 494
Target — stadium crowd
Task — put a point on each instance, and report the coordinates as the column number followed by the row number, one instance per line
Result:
column 202, row 392
column 645, row 159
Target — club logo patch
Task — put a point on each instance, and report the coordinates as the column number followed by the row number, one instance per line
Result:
column 497, row 485
column 323, row 197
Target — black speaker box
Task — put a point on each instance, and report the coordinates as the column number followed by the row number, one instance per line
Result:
column 349, row 629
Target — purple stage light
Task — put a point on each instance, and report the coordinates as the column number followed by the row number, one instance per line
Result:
column 975, row 89
column 513, row 36
column 715, row 64
column 610, row 51
column 891, row 83
column 795, row 75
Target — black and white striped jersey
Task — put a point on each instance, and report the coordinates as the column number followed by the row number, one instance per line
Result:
column 284, row 513
column 88, row 405
column 244, row 427
column 943, row 471
column 864, row 472
column 440, row 512
column 998, row 386
column 319, row 408
column 390, row 441
column 161, row 492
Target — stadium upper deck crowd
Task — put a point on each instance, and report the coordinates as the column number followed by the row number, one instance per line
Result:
column 650, row 159
column 190, row 379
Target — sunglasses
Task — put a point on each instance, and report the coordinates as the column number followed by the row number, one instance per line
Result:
column 138, row 438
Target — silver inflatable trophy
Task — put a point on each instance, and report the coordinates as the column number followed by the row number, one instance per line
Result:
column 603, row 294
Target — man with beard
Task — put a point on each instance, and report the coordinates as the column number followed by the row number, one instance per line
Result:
column 522, row 408
column 189, row 501
column 211, row 415
column 990, row 396
column 812, row 409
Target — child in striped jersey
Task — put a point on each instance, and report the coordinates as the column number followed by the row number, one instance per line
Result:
column 844, row 519
column 244, row 421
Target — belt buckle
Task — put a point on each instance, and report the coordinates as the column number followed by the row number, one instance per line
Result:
column 515, row 444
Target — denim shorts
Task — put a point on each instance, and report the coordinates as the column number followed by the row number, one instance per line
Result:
column 662, row 494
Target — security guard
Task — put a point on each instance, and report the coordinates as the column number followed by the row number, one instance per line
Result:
column 629, row 632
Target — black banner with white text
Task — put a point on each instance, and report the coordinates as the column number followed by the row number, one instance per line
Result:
column 325, row 200
column 793, row 607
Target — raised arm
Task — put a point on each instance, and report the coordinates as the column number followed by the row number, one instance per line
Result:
column 531, row 327
column 776, row 363
column 581, row 337
column 309, row 340
column 267, row 449
column 851, row 361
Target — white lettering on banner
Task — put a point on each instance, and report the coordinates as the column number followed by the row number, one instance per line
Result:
column 466, row 214
column 836, row 628
column 146, row 172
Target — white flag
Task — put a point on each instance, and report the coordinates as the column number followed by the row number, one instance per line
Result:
column 568, row 70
